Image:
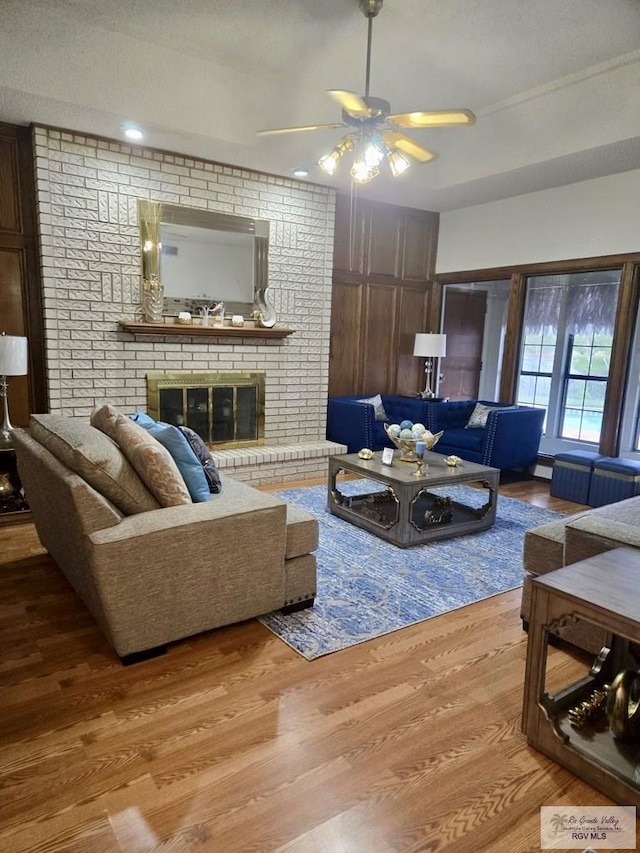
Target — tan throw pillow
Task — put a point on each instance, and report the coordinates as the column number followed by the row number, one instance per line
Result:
column 153, row 462
column 104, row 418
column 95, row 458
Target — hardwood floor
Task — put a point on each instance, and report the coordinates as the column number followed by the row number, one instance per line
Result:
column 233, row 742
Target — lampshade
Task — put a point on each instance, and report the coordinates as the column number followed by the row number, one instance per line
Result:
column 430, row 346
column 13, row 355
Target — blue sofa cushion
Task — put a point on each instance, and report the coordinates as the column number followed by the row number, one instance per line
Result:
column 464, row 439
column 175, row 442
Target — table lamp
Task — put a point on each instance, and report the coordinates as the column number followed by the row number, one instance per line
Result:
column 429, row 347
column 13, row 362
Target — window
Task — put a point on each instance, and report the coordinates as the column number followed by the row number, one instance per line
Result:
column 566, row 353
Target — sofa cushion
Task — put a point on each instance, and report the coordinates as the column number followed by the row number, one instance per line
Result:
column 479, row 415
column 205, row 458
column 181, row 452
column 302, row 532
column 544, row 547
column 104, row 418
column 465, row 439
column 153, row 462
column 378, row 407
column 93, row 456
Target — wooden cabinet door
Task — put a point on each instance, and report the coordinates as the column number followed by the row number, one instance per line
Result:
column 412, row 318
column 345, row 348
column 379, row 349
column 348, row 241
column 384, row 232
column 420, row 236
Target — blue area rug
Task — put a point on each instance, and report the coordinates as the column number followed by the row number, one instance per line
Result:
column 368, row 587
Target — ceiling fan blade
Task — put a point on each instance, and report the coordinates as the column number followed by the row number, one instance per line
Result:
column 277, row 130
column 351, row 103
column 432, row 118
column 407, row 146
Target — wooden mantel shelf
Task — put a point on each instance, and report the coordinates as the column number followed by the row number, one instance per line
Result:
column 249, row 330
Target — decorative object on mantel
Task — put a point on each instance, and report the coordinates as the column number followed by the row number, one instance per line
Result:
column 152, row 289
column 264, row 313
column 13, row 362
column 250, row 329
column 184, row 317
column 237, row 321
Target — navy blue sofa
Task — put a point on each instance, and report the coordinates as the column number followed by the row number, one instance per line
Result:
column 354, row 424
column 510, row 439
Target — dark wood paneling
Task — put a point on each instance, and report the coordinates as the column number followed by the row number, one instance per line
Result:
column 380, row 339
column 515, row 313
column 393, row 247
column 385, row 223
column 412, row 318
column 12, row 321
column 9, row 198
column 626, row 313
column 20, row 287
column 345, row 351
column 348, row 245
column 419, row 244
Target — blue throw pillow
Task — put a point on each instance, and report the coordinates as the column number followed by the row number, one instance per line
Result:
column 206, row 459
column 188, row 463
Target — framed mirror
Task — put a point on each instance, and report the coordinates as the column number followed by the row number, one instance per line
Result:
column 205, row 258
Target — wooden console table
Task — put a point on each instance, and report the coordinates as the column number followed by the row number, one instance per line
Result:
column 603, row 590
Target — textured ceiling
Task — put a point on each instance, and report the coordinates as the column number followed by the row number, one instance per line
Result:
column 555, row 84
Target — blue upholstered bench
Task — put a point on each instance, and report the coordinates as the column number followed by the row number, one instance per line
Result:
column 571, row 475
column 614, row 480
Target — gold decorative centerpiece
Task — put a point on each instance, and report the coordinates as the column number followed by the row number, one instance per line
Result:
column 405, row 437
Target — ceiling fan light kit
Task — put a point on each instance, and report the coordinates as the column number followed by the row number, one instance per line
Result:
column 373, row 137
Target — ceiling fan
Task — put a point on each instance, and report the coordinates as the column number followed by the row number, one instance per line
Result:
column 374, row 132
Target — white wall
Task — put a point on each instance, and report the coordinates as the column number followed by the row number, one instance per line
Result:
column 592, row 218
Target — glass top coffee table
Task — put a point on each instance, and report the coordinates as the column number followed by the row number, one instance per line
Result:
column 408, row 508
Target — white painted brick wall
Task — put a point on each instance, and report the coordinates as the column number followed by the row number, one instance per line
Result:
column 87, row 191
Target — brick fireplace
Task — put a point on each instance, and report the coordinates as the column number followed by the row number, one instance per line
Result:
column 87, row 191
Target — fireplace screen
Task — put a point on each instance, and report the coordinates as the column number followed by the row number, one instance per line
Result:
column 225, row 409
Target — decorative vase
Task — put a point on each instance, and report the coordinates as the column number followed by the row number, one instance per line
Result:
column 152, row 299
column 264, row 312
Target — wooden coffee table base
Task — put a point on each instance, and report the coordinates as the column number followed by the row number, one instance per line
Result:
column 401, row 507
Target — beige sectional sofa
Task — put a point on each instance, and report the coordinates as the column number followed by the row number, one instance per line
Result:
column 577, row 537
column 151, row 575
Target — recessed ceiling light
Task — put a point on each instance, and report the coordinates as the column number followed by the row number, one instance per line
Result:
column 133, row 133
column 300, row 172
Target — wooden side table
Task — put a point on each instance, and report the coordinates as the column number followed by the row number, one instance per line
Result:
column 603, row 590
column 13, row 507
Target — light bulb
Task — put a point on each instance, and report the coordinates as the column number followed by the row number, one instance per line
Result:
column 398, row 163
column 361, row 172
column 329, row 163
column 373, row 154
